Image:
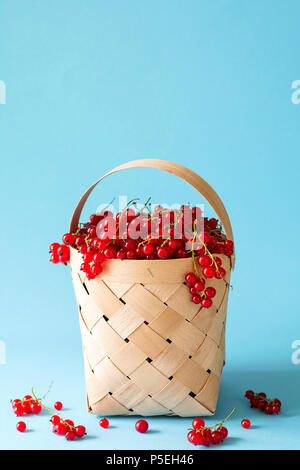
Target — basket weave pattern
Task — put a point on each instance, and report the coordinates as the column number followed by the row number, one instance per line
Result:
column 148, row 350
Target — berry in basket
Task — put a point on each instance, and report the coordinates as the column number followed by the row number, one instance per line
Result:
column 151, row 235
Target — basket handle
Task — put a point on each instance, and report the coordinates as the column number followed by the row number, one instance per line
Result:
column 175, row 169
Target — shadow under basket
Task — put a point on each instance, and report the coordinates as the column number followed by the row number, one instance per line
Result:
column 148, row 349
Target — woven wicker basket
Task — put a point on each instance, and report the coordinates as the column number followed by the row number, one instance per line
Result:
column 148, row 350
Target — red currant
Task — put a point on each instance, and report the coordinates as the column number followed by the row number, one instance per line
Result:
column 70, row 435
column 55, row 420
column 249, row 394
column 15, row 402
column 204, row 260
column 94, row 218
column 82, row 249
column 228, row 251
column 206, row 302
column 210, row 292
column 199, row 285
column 130, row 254
column 139, row 252
column 196, row 299
column 130, row 245
column 246, row 423
column 205, row 440
column 276, row 409
column 209, row 271
column 218, row 261
column 61, row 429
column 148, row 249
column 213, row 223
column 58, row 405
column 163, row 252
column 54, row 247
column 261, row 404
column 21, row 426
column 19, row 410
column 96, row 269
column 54, row 258
column 192, row 437
column 181, row 253
column 80, row 431
column 79, row 241
column 63, row 251
column 198, row 423
column 64, row 259
column 69, row 422
column 90, row 275
column 191, row 278
column 99, row 258
column 269, row 409
column 121, row 254
column 109, row 252
column 104, row 423
column 196, row 438
column 27, row 398
column 221, row 273
column 35, row 407
column 85, row 267
column 254, row 402
column 223, row 431
column 141, row 426
column 216, row 437
column 68, row 239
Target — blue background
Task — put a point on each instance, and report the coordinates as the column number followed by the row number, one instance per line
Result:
column 93, row 84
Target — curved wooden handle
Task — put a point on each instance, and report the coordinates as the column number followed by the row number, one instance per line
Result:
column 175, row 169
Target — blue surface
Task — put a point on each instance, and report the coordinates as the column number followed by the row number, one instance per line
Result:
column 93, row 84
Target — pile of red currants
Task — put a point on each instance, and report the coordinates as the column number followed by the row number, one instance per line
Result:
column 67, row 428
column 158, row 234
column 202, row 435
column 260, row 401
column 27, row 406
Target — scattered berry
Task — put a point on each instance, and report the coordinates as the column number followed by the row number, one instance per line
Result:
column 246, row 423
column 21, row 426
column 104, row 423
column 58, row 405
column 141, row 426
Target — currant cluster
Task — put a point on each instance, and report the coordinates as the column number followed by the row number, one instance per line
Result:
column 260, row 401
column 27, row 406
column 203, row 435
column 67, row 428
column 59, row 253
column 157, row 234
